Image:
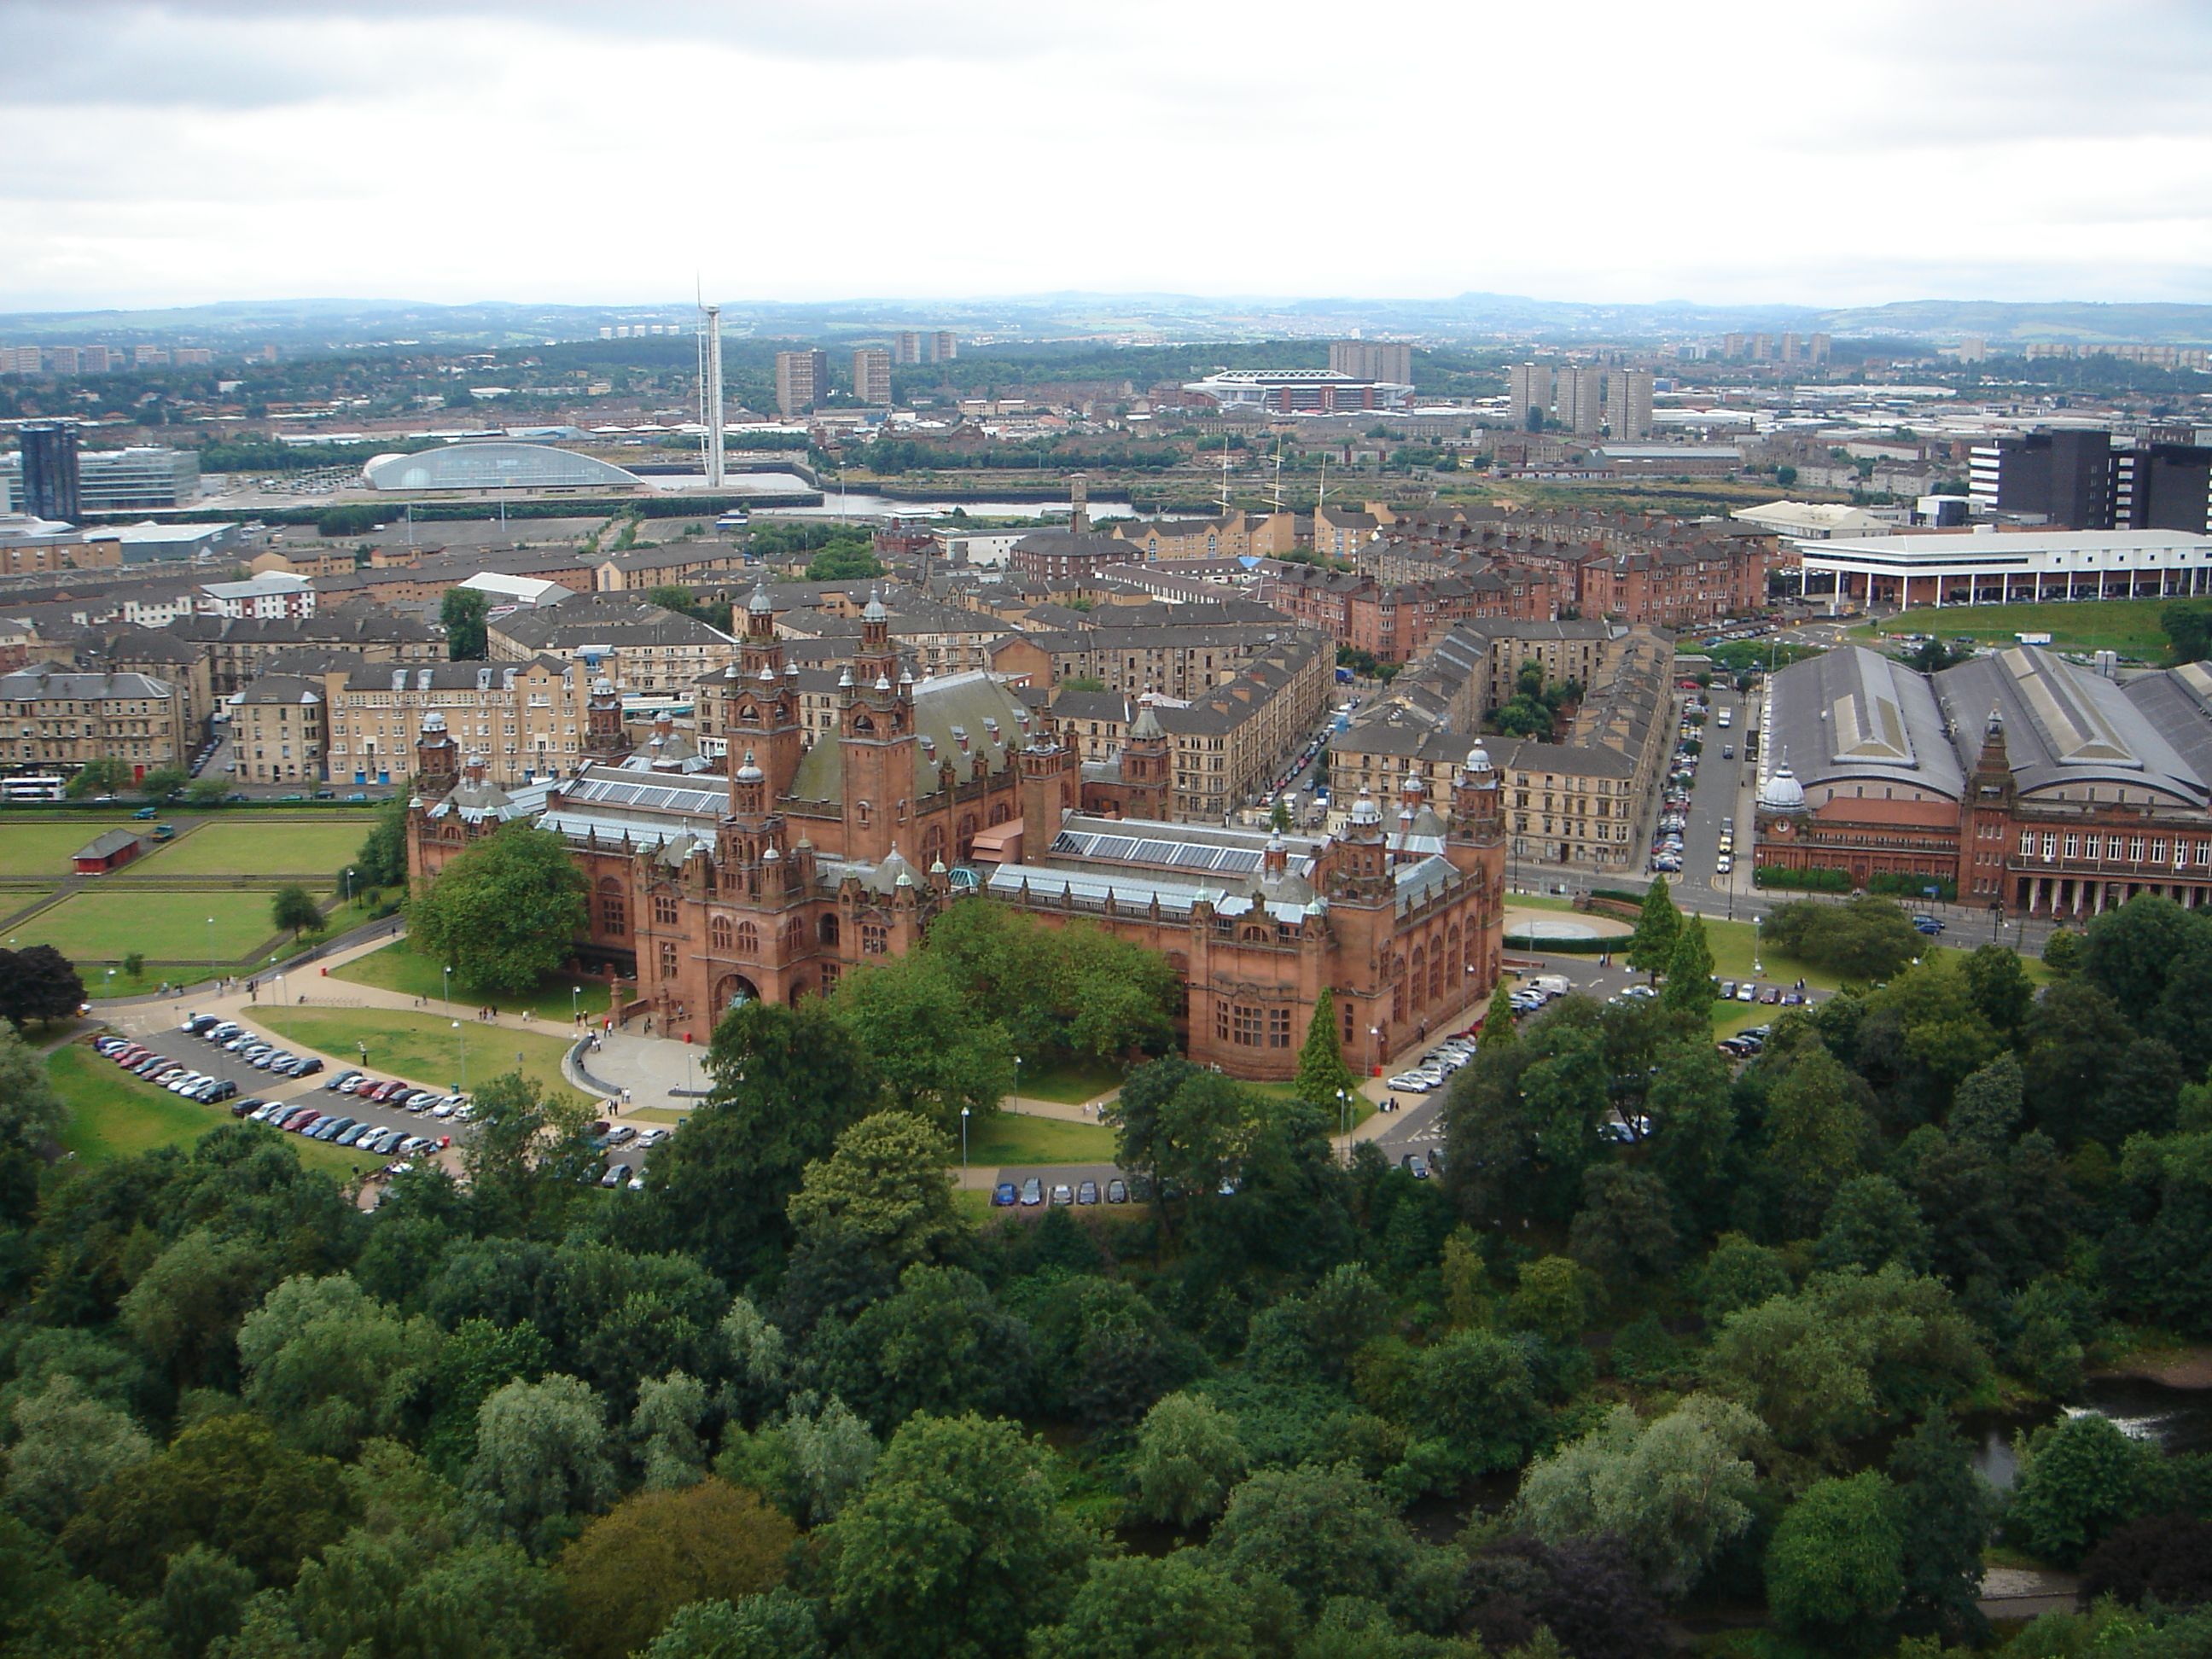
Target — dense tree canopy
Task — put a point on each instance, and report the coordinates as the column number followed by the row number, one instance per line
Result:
column 505, row 913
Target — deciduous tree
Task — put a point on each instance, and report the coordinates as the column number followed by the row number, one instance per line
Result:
column 506, row 913
column 634, row 1566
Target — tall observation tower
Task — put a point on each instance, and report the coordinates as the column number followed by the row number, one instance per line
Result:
column 710, row 389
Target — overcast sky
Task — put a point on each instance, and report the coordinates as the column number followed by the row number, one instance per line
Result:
column 818, row 150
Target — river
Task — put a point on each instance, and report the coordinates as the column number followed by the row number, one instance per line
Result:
column 858, row 504
column 2175, row 1419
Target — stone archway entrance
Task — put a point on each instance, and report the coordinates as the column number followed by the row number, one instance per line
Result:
column 732, row 990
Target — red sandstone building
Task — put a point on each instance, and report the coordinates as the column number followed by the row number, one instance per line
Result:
column 805, row 862
column 2031, row 785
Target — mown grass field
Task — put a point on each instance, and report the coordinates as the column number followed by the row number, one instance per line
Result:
column 424, row 1048
column 1069, row 1085
column 269, row 847
column 114, row 1115
column 1012, row 1137
column 397, row 967
column 2127, row 626
column 43, row 849
column 108, row 924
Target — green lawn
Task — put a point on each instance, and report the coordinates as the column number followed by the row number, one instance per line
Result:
column 424, row 1049
column 1070, row 1084
column 114, row 1115
column 2127, row 626
column 108, row 924
column 39, row 849
column 397, row 967
column 267, row 848
column 1014, row 1138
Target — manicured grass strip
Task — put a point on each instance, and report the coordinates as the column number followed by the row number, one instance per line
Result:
column 1070, row 1085
column 424, row 1049
column 1014, row 1138
column 44, row 849
column 2127, row 626
column 108, row 924
column 397, row 967
column 272, row 847
column 114, row 1115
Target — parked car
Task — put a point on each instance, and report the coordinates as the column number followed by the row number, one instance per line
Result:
column 615, row 1175
column 1087, row 1193
column 1032, row 1193
column 1746, row 992
column 1417, row 1083
column 1003, row 1196
column 1413, row 1166
column 1117, row 1191
column 1062, row 1192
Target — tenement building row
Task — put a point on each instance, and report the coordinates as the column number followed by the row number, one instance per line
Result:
column 2031, row 784
column 1576, row 799
column 800, row 864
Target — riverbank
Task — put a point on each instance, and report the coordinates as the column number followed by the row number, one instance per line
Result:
column 2188, row 1367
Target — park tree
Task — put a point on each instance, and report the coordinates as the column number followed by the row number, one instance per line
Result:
column 886, row 1188
column 31, row 1113
column 1625, row 1232
column 463, row 613
column 655, row 1552
column 776, row 1625
column 1528, row 1597
column 1695, row 1148
column 163, row 784
column 294, row 910
column 382, row 860
column 786, row 1081
column 665, row 1427
column 1322, row 1532
column 1740, row 1274
column 1871, row 1223
column 1945, row 1512
column 206, row 792
column 936, row 1054
column 203, row 1599
column 541, row 1458
column 958, row 1544
column 228, row 1483
column 1188, row 1459
column 66, row 1441
column 2080, row 1479
column 476, row 1359
column 38, row 983
column 1862, row 940
column 1835, row 1571
column 1474, row 1402
column 1321, row 1070
column 1500, row 1030
column 187, row 1305
column 940, row 1344
column 505, row 913
column 1676, row 1491
column 1818, row 1134
column 101, row 776
column 2165, row 1559
column 527, row 1154
column 1690, row 972
column 1651, row 946
column 332, row 1366
column 1172, row 1607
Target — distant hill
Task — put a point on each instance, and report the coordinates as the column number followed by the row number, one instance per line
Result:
column 339, row 323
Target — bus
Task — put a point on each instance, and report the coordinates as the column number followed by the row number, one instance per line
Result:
column 37, row 786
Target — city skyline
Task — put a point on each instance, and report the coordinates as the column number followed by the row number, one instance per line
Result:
column 1736, row 156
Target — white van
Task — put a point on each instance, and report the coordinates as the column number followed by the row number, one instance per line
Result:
column 1551, row 985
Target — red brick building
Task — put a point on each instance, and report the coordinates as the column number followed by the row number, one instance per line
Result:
column 806, row 863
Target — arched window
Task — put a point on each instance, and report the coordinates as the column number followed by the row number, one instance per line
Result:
column 1254, row 935
column 664, row 909
column 1453, row 946
column 614, row 909
column 667, row 960
column 827, row 931
column 1436, row 975
column 1000, row 813
column 932, row 845
column 748, row 939
column 1420, row 975
column 966, row 841
column 719, row 934
column 794, row 938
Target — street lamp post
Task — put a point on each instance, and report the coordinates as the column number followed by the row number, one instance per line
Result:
column 1375, row 1043
column 449, row 988
column 1758, row 937
column 575, row 1004
column 1344, row 1120
column 464, row 1041
column 963, row 1140
column 210, row 947
column 348, row 880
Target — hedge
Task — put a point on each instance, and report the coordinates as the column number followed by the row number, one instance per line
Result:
column 1544, row 945
column 1909, row 886
column 1819, row 880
